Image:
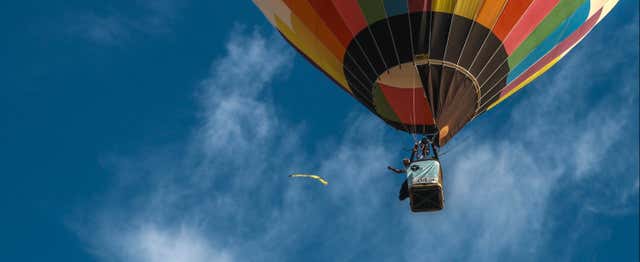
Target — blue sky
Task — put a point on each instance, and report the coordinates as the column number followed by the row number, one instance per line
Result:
column 164, row 131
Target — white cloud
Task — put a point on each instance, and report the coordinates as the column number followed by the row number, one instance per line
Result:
column 236, row 118
column 152, row 243
column 161, row 220
column 113, row 26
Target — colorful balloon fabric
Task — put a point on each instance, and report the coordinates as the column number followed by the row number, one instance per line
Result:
column 427, row 66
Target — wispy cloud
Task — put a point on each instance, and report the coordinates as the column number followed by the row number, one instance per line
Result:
column 189, row 203
column 227, row 198
column 153, row 243
column 112, row 26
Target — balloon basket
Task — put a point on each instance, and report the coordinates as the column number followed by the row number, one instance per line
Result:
column 426, row 192
column 426, row 198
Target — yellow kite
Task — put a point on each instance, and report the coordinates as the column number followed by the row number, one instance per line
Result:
column 320, row 179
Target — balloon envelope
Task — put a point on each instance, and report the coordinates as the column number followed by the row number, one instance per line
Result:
column 431, row 66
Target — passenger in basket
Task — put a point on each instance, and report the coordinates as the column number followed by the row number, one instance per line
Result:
column 404, row 189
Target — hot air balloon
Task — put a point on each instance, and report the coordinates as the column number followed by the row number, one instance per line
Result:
column 430, row 66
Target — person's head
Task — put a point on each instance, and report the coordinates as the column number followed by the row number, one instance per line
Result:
column 406, row 162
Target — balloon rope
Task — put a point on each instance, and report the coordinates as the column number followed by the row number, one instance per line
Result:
column 446, row 47
column 375, row 42
column 462, row 141
column 466, row 39
column 413, row 53
column 495, row 22
column 395, row 50
column 393, row 41
column 433, row 114
column 413, row 103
